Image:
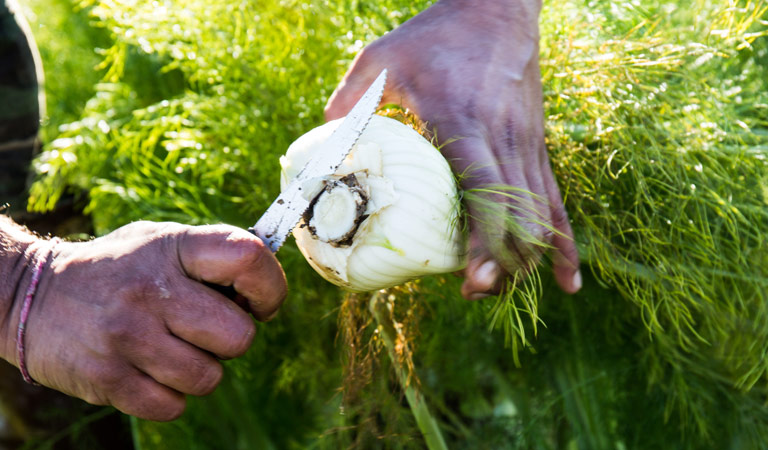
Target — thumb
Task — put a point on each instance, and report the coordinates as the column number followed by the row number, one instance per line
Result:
column 231, row 256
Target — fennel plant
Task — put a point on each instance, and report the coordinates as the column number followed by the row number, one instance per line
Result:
column 657, row 122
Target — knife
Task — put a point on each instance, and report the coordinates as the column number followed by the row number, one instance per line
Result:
column 285, row 212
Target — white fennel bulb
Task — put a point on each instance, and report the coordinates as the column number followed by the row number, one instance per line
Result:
column 389, row 214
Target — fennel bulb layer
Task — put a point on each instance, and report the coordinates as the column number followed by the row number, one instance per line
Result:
column 389, row 214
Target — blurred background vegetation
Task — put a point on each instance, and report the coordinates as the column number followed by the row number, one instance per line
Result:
column 657, row 123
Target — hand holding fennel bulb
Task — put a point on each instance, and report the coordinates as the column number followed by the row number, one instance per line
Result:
column 470, row 69
column 389, row 214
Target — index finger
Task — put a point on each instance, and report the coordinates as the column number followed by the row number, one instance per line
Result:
column 230, row 256
column 363, row 71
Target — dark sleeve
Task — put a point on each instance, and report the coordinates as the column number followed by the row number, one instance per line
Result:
column 19, row 102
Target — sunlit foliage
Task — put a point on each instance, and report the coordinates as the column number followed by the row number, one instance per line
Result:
column 657, row 123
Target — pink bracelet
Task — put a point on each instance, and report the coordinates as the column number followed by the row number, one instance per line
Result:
column 42, row 258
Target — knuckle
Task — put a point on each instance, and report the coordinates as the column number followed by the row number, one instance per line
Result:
column 171, row 237
column 239, row 343
column 247, row 249
column 142, row 284
column 105, row 378
column 538, row 233
column 149, row 231
column 547, row 235
column 209, row 376
column 174, row 411
column 257, row 258
column 165, row 230
column 120, row 331
column 151, row 286
column 166, row 409
column 130, row 229
column 474, row 175
column 559, row 215
column 254, row 251
column 151, row 401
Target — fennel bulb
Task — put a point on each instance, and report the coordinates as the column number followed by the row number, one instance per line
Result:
column 389, row 214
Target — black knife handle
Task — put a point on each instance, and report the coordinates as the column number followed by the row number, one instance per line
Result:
column 227, row 291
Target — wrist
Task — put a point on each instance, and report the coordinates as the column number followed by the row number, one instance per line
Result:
column 38, row 262
column 17, row 250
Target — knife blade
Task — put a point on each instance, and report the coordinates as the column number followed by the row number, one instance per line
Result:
column 285, row 212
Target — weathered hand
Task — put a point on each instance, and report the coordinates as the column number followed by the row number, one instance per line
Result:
column 124, row 320
column 470, row 69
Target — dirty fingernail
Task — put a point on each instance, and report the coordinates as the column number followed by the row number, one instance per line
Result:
column 486, row 274
column 577, row 280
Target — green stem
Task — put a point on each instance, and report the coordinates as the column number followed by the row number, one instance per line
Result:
column 75, row 427
column 424, row 419
column 135, row 433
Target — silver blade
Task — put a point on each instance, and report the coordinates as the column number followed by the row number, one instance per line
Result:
column 284, row 213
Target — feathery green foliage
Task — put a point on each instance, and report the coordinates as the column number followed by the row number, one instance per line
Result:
column 657, row 122
column 69, row 59
column 660, row 142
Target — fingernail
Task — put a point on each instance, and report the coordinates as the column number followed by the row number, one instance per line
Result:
column 478, row 296
column 577, row 280
column 486, row 274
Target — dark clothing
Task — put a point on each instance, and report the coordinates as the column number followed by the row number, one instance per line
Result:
column 19, row 107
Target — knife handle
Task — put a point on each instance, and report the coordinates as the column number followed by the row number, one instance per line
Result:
column 230, row 293
column 226, row 291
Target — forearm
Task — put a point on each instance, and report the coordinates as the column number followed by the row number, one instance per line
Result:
column 16, row 246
